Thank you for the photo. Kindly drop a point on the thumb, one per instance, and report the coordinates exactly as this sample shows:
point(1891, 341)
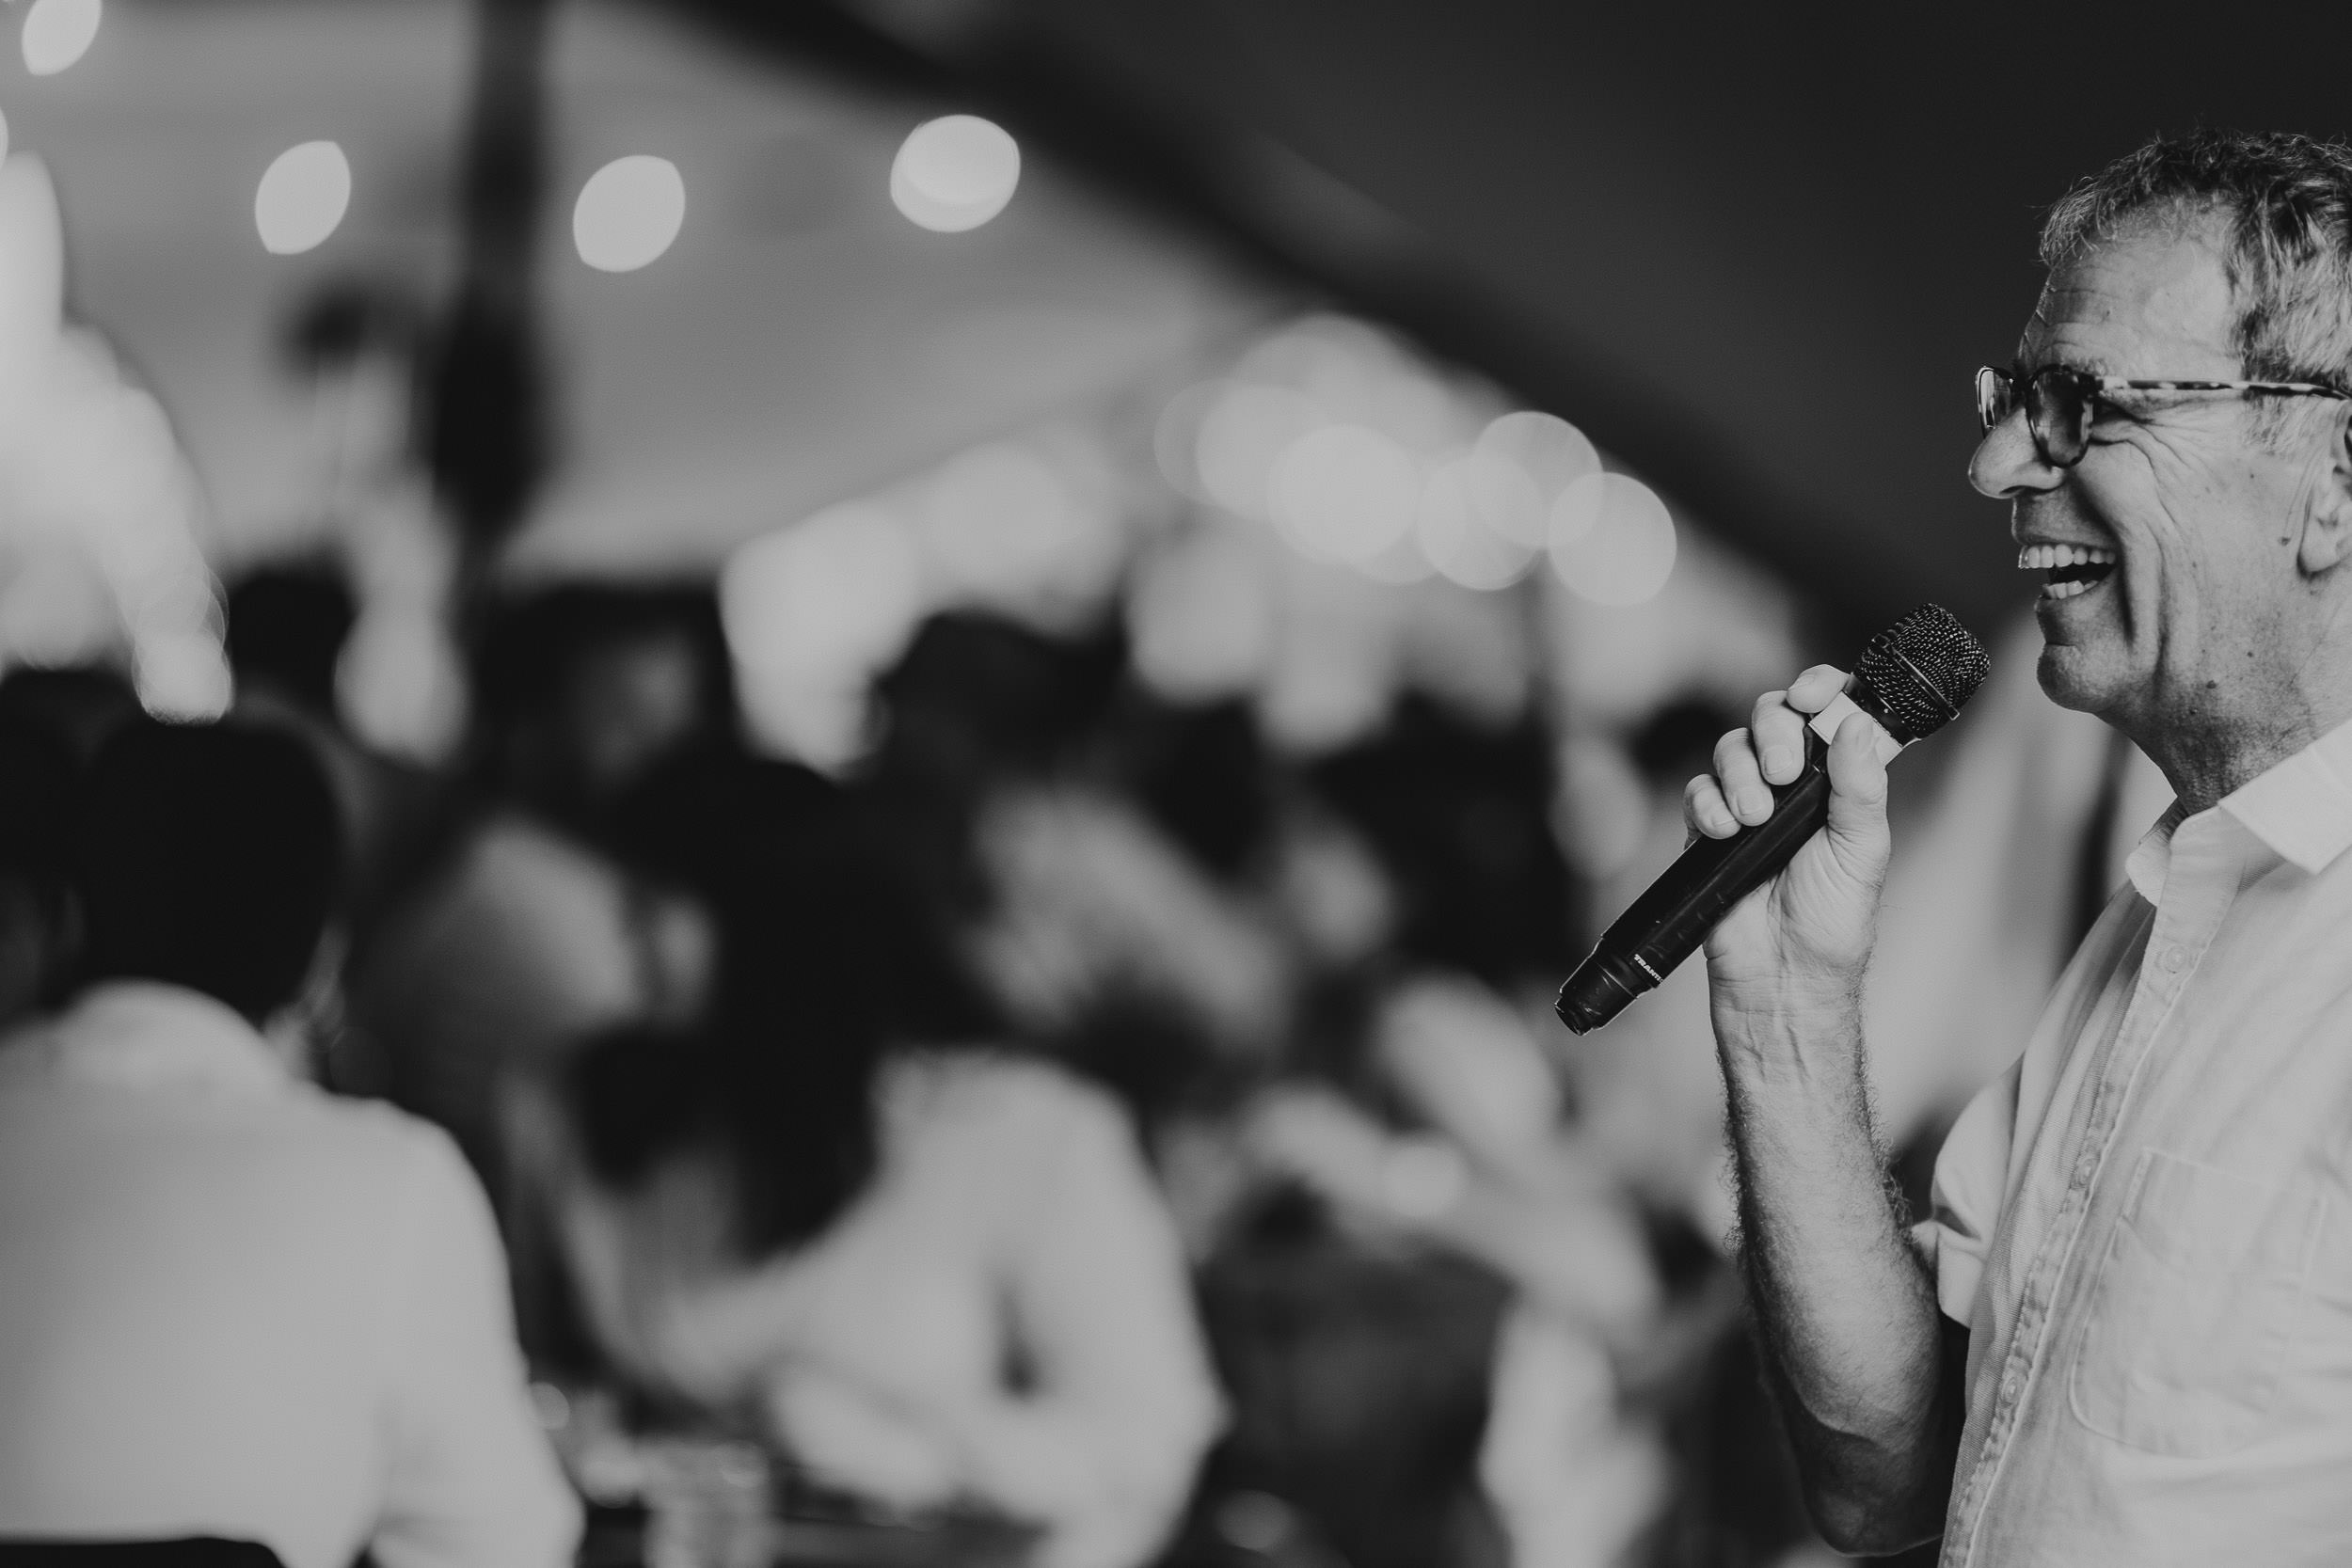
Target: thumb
point(1857, 799)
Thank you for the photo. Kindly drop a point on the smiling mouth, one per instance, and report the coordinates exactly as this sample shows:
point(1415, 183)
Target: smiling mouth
point(2068, 569)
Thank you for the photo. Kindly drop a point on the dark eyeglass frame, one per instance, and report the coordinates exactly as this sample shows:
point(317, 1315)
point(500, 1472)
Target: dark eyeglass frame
point(2059, 401)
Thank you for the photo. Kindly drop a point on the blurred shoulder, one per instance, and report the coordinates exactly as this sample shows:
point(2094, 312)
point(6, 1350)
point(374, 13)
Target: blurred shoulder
point(997, 1100)
point(378, 1144)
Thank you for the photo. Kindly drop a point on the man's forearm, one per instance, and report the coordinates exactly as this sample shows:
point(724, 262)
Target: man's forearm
point(1844, 1305)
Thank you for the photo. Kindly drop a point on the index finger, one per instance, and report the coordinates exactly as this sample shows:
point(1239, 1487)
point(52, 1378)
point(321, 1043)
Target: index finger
point(1816, 688)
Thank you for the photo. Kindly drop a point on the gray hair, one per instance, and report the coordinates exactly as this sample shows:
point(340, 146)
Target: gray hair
point(2284, 202)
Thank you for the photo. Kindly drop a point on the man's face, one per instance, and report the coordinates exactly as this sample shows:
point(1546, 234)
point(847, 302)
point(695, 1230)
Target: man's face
point(2195, 623)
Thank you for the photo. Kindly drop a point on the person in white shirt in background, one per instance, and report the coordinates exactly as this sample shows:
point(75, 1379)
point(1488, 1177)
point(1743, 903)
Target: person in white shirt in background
point(229, 1305)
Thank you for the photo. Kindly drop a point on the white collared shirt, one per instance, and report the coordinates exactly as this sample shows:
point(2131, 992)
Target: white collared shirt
point(232, 1306)
point(2146, 1223)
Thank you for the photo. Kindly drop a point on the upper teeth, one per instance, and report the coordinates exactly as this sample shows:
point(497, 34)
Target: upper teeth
point(2040, 558)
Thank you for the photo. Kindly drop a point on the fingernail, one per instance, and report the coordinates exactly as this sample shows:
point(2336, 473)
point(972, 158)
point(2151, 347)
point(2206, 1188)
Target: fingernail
point(1779, 760)
point(1755, 802)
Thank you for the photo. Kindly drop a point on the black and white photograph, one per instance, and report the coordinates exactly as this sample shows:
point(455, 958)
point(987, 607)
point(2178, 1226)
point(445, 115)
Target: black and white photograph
point(1174, 784)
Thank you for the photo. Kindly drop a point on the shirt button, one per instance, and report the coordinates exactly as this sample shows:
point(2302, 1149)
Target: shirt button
point(2175, 957)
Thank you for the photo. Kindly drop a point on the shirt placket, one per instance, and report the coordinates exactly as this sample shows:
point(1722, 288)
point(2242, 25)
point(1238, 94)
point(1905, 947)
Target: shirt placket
point(2198, 887)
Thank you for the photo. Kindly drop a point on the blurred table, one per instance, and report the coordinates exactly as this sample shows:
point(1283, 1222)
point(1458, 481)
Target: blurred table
point(625, 1537)
point(685, 1498)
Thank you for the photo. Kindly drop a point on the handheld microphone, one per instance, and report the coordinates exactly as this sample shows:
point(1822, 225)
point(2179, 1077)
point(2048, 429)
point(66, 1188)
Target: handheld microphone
point(1912, 679)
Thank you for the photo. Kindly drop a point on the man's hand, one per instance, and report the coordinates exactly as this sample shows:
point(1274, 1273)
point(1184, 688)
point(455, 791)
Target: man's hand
point(1804, 937)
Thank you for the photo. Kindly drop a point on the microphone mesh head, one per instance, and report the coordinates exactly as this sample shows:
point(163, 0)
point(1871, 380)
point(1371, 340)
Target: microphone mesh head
point(1923, 668)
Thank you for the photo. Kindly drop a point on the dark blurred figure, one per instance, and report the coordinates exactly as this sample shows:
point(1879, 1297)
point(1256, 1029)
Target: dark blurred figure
point(287, 626)
point(1457, 813)
point(581, 689)
point(520, 938)
point(40, 916)
point(78, 706)
point(937, 1275)
point(226, 1298)
point(1204, 775)
point(976, 703)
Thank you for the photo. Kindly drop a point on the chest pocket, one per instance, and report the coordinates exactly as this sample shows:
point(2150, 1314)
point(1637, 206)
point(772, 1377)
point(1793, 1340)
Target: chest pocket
point(2182, 1350)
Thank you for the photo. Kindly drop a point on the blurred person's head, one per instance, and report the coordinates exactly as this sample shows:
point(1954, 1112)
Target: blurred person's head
point(1203, 773)
point(581, 689)
point(824, 961)
point(976, 702)
point(287, 626)
point(2193, 541)
point(37, 909)
point(1092, 908)
point(349, 320)
point(1457, 816)
point(791, 867)
point(978, 697)
point(357, 340)
point(208, 860)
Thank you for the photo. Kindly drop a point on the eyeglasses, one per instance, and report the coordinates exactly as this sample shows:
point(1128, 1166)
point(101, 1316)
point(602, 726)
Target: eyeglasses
point(2059, 401)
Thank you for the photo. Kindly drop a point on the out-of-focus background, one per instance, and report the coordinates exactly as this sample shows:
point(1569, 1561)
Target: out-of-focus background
point(1238, 518)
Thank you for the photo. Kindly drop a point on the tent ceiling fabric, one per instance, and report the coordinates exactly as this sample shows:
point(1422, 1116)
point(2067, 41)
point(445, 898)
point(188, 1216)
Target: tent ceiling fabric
point(1760, 248)
point(157, 140)
point(800, 343)
point(1753, 251)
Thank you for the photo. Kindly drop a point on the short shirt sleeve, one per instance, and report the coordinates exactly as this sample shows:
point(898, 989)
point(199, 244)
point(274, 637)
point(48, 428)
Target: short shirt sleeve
point(1970, 1176)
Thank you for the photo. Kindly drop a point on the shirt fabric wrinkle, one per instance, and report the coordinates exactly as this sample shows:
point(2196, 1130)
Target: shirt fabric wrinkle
point(2143, 1224)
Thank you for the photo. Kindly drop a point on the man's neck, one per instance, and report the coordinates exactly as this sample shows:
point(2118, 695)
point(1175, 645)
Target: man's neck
point(2206, 762)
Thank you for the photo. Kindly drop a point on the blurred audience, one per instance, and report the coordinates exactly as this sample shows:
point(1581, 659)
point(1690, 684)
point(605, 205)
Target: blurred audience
point(931, 1273)
point(230, 1305)
point(521, 938)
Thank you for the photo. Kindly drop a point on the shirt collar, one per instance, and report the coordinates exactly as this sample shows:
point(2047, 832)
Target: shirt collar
point(2302, 807)
point(2151, 860)
point(146, 1035)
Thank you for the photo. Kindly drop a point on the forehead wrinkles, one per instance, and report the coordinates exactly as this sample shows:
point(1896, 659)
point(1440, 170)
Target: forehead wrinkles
point(2151, 305)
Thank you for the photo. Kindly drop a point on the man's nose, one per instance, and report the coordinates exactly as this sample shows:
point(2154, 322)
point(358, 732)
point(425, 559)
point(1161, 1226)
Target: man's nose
point(2008, 461)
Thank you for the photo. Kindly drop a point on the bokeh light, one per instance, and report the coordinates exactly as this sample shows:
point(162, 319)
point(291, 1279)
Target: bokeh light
point(1243, 436)
point(1176, 437)
point(1344, 493)
point(1455, 536)
point(57, 33)
point(302, 198)
point(1519, 469)
point(1005, 529)
point(629, 212)
point(1613, 540)
point(955, 173)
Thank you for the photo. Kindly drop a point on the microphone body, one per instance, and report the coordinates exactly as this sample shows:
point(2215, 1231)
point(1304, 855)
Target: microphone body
point(1672, 918)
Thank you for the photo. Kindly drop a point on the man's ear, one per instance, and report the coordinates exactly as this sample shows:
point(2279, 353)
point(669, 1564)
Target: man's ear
point(2326, 541)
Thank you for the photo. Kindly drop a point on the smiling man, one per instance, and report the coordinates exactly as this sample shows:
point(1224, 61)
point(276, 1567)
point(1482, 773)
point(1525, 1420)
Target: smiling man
point(2125, 1337)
